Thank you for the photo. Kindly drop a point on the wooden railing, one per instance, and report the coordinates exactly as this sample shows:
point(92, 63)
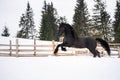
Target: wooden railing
point(19, 48)
point(115, 47)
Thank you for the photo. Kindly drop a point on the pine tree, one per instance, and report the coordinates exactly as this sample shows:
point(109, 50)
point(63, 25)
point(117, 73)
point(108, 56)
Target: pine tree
point(27, 24)
point(5, 32)
point(48, 23)
point(81, 21)
point(107, 30)
point(116, 23)
point(98, 9)
point(101, 21)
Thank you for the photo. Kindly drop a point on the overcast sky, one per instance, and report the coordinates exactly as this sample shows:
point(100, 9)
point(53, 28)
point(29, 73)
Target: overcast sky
point(11, 10)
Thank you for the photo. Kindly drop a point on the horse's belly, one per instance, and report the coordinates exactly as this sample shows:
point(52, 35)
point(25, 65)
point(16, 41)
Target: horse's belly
point(79, 45)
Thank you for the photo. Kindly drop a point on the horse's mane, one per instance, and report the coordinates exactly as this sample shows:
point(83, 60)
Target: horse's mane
point(69, 27)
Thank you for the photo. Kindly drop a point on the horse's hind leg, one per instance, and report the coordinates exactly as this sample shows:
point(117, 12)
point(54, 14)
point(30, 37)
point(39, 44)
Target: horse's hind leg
point(98, 53)
point(94, 52)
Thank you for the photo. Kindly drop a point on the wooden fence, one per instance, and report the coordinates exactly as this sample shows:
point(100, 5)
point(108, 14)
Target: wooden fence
point(17, 49)
point(115, 47)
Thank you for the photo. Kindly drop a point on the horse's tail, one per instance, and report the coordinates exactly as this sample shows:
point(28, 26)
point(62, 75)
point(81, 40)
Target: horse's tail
point(104, 44)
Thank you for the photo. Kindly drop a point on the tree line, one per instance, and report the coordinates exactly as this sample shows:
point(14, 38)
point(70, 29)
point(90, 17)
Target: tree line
point(99, 24)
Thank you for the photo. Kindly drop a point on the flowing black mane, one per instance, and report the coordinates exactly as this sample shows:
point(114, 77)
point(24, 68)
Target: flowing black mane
point(70, 29)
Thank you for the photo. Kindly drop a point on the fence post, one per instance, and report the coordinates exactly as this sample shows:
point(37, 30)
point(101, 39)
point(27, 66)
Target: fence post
point(17, 48)
point(10, 48)
point(34, 46)
point(53, 46)
point(73, 51)
point(118, 52)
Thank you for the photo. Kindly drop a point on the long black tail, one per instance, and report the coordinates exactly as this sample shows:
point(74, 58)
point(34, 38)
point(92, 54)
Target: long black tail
point(104, 44)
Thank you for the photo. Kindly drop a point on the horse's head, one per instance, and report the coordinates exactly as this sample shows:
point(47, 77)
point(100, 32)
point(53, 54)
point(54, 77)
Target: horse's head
point(61, 29)
point(67, 29)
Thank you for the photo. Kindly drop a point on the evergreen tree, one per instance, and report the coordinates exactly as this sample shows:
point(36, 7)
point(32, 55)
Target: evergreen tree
point(5, 32)
point(101, 21)
point(107, 30)
point(27, 24)
point(98, 9)
point(116, 23)
point(48, 27)
point(81, 21)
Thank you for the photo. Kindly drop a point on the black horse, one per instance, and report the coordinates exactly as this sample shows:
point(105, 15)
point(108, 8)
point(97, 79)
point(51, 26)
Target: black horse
point(71, 39)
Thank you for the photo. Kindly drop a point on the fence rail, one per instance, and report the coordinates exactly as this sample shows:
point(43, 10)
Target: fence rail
point(17, 48)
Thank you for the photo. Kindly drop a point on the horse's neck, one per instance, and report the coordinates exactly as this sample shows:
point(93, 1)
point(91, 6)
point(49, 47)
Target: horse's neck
point(71, 34)
point(75, 34)
point(68, 34)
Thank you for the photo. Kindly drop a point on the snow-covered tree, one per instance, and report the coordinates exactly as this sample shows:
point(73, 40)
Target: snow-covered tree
point(101, 21)
point(116, 23)
point(5, 32)
point(27, 24)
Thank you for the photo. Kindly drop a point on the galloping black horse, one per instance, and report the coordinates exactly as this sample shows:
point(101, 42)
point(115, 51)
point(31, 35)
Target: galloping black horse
point(71, 39)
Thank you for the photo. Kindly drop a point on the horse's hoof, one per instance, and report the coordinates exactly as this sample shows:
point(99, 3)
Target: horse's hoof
point(94, 56)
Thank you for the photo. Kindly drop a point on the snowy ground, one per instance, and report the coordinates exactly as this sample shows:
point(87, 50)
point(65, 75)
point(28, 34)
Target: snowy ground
point(57, 67)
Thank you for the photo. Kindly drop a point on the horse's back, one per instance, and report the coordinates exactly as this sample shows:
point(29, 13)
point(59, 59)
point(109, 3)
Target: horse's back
point(85, 42)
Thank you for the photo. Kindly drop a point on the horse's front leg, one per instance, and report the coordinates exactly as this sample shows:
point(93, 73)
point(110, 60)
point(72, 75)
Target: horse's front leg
point(60, 45)
point(63, 48)
point(56, 50)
